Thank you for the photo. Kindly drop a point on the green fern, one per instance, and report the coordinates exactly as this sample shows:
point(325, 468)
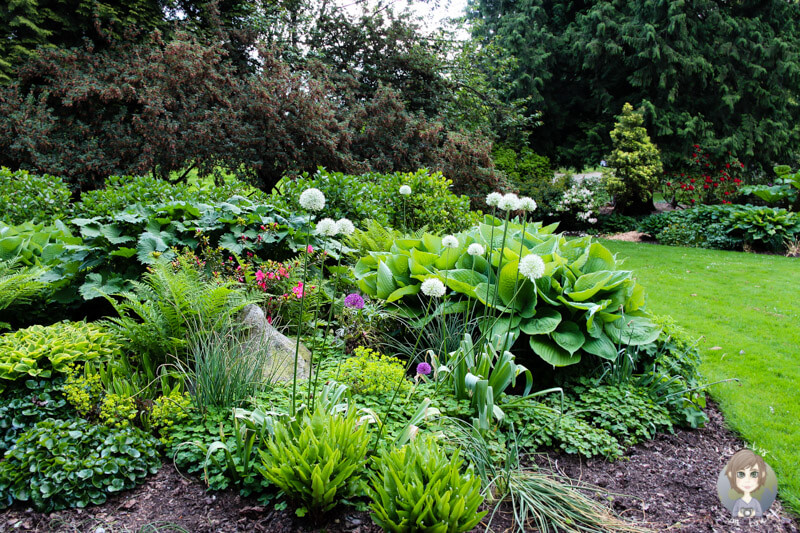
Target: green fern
point(157, 317)
point(377, 238)
point(18, 286)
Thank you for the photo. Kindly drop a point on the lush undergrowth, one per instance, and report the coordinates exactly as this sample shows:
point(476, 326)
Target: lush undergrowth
point(747, 308)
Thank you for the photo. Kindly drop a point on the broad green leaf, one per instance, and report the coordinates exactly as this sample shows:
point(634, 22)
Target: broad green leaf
point(568, 335)
point(551, 352)
point(588, 285)
point(632, 330)
point(600, 258)
point(545, 321)
point(601, 347)
point(386, 283)
point(403, 291)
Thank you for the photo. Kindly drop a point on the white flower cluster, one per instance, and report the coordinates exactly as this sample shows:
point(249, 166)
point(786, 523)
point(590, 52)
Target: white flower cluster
point(405, 190)
point(509, 202)
point(580, 201)
point(476, 249)
point(532, 267)
point(432, 287)
point(312, 199)
point(493, 199)
point(450, 241)
point(327, 227)
point(345, 227)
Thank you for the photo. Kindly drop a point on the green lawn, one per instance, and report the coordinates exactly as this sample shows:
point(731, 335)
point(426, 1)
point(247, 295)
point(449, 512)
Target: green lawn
point(747, 307)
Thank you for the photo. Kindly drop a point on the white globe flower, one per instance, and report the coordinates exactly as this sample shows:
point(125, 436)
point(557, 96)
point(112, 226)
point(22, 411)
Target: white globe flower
point(526, 203)
point(433, 287)
point(450, 241)
point(312, 199)
point(327, 227)
point(592, 220)
point(345, 227)
point(532, 267)
point(476, 249)
point(493, 199)
point(405, 190)
point(509, 202)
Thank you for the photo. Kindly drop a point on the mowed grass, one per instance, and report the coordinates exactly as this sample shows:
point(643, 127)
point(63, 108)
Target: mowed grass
point(747, 307)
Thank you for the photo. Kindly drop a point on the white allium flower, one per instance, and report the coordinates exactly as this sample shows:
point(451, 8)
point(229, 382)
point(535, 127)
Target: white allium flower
point(592, 220)
point(509, 202)
point(433, 287)
point(531, 266)
point(450, 241)
point(526, 203)
point(405, 190)
point(476, 249)
point(327, 227)
point(345, 227)
point(312, 199)
point(493, 199)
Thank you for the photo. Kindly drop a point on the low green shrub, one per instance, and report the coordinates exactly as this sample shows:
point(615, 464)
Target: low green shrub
point(120, 192)
point(18, 287)
point(376, 196)
point(419, 488)
point(317, 460)
point(59, 464)
point(368, 372)
point(764, 226)
point(188, 441)
point(25, 404)
point(615, 223)
point(42, 350)
point(26, 197)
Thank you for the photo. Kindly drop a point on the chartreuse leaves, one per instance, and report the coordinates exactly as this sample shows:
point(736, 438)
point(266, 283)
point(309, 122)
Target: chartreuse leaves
point(419, 488)
point(575, 307)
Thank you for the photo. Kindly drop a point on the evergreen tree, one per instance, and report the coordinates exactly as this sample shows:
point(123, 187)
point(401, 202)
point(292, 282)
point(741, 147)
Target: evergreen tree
point(634, 163)
point(722, 74)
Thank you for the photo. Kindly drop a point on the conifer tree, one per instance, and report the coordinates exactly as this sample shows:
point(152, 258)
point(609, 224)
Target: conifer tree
point(634, 163)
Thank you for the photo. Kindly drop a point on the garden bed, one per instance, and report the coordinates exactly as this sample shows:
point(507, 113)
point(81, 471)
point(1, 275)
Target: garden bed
point(668, 483)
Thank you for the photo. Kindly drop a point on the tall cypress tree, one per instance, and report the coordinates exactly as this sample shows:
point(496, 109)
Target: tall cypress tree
point(722, 74)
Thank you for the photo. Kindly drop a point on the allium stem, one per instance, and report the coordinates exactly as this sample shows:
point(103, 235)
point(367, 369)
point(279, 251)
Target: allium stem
point(300, 323)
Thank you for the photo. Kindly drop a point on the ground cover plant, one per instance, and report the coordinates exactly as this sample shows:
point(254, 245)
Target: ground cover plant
point(746, 308)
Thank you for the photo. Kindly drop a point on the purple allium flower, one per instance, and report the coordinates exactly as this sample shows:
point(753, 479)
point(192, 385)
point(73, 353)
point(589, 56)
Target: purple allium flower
point(423, 369)
point(354, 300)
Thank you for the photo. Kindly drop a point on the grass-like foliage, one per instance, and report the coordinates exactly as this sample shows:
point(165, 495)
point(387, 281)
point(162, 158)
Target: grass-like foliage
point(41, 350)
point(317, 459)
point(17, 286)
point(223, 369)
point(59, 464)
point(420, 488)
point(157, 317)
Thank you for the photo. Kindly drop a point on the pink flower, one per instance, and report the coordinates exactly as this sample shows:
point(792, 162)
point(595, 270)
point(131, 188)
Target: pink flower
point(310, 249)
point(298, 290)
point(271, 275)
point(260, 275)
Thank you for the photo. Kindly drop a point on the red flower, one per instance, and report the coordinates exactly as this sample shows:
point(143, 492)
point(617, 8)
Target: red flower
point(705, 186)
point(727, 193)
point(697, 146)
point(727, 165)
point(669, 184)
point(691, 187)
point(692, 180)
point(716, 185)
point(742, 164)
point(692, 200)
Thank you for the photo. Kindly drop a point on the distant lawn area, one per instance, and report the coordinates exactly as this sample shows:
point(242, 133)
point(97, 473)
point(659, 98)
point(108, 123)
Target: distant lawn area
point(748, 306)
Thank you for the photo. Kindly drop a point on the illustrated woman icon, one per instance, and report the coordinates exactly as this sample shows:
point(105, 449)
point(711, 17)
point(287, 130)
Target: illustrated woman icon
point(747, 473)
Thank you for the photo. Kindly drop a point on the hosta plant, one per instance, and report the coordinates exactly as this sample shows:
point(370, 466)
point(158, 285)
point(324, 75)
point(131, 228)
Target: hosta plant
point(59, 464)
point(317, 459)
point(582, 304)
point(42, 350)
point(418, 487)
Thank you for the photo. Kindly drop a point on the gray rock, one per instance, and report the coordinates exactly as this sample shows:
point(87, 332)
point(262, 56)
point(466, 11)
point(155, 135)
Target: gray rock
point(276, 348)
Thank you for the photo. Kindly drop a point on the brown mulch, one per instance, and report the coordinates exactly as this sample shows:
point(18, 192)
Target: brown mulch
point(629, 236)
point(667, 484)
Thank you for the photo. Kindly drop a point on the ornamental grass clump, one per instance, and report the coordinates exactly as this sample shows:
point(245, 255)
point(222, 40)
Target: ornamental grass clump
point(419, 488)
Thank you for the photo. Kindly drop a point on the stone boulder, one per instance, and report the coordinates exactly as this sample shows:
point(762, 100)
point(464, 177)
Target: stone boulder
point(276, 348)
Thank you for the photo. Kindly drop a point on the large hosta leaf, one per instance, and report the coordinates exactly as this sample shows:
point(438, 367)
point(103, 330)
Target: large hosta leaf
point(386, 283)
point(568, 335)
point(632, 330)
point(551, 352)
point(462, 280)
point(588, 285)
point(404, 291)
point(601, 347)
point(545, 321)
point(421, 262)
point(600, 258)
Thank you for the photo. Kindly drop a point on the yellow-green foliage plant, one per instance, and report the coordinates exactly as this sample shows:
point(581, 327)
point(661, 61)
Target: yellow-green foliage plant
point(369, 372)
point(419, 488)
point(635, 163)
point(42, 350)
point(317, 460)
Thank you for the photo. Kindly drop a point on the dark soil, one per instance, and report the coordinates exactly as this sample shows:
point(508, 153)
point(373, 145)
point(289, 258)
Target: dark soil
point(665, 484)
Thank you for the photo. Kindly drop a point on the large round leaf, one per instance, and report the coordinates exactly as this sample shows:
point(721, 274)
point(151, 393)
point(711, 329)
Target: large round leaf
point(545, 321)
point(386, 283)
point(568, 335)
point(633, 330)
point(601, 347)
point(551, 352)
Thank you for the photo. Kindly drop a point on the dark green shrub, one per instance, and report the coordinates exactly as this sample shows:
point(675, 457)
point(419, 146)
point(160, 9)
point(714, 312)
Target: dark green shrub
point(121, 191)
point(652, 225)
point(376, 196)
point(615, 223)
point(26, 197)
point(419, 488)
point(764, 227)
point(317, 460)
point(59, 464)
point(22, 406)
point(526, 169)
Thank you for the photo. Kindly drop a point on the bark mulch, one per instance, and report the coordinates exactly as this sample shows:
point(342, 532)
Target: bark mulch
point(667, 484)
